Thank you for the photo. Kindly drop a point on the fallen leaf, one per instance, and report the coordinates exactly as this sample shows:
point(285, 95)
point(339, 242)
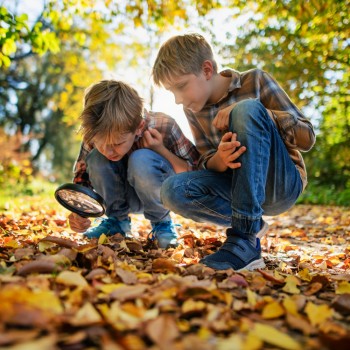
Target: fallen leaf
point(317, 314)
point(162, 330)
point(272, 310)
point(275, 337)
point(291, 285)
point(71, 278)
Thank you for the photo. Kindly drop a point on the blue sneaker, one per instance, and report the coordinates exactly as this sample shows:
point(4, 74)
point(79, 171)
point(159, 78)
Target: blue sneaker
point(109, 226)
point(236, 253)
point(164, 234)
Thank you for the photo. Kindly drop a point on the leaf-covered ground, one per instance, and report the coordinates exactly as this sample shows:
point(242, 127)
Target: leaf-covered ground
point(59, 291)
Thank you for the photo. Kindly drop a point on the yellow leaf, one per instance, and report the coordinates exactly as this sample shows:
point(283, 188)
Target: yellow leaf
point(290, 305)
point(252, 297)
point(291, 285)
point(234, 342)
point(252, 342)
point(71, 278)
point(317, 314)
point(304, 274)
point(190, 305)
point(343, 288)
point(272, 310)
point(109, 288)
point(102, 239)
point(275, 337)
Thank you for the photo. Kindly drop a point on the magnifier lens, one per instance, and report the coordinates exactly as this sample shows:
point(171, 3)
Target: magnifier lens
point(80, 201)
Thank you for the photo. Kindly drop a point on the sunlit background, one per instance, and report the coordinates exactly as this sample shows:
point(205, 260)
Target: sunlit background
point(52, 50)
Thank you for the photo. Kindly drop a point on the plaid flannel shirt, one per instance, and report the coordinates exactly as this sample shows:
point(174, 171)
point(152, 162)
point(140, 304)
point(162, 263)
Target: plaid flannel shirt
point(173, 138)
point(296, 131)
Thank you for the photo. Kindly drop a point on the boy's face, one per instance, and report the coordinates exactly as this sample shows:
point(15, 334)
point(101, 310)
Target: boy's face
point(116, 150)
point(192, 91)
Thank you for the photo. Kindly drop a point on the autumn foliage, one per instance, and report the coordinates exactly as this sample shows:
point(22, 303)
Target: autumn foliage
point(60, 291)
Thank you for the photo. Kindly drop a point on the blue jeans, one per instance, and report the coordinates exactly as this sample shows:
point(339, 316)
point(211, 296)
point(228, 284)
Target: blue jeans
point(131, 185)
point(268, 181)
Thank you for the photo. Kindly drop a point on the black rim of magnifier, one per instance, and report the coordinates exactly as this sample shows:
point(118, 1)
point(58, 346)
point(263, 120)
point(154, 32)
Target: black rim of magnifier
point(85, 190)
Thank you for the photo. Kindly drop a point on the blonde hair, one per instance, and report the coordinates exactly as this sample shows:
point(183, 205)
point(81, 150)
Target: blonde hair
point(111, 108)
point(180, 55)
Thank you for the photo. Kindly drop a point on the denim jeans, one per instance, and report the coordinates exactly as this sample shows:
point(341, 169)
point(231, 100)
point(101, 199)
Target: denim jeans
point(131, 185)
point(268, 181)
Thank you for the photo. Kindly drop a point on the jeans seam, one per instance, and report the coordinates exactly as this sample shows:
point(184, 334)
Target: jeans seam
point(200, 205)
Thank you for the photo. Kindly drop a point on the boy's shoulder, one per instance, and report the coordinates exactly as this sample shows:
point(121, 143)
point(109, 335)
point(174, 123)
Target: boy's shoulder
point(252, 72)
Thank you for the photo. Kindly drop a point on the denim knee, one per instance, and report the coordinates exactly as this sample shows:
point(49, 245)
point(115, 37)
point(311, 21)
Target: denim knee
point(148, 168)
point(168, 194)
point(96, 161)
point(247, 115)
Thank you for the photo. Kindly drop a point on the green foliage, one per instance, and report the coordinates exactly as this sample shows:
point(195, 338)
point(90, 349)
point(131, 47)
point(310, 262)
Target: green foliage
point(15, 31)
point(15, 175)
point(325, 194)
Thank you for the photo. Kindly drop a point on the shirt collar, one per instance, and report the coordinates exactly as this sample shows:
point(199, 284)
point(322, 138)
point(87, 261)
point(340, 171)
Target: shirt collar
point(235, 78)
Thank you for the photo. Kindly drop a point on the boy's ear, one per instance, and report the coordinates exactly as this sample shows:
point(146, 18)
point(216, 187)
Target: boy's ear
point(208, 69)
point(140, 127)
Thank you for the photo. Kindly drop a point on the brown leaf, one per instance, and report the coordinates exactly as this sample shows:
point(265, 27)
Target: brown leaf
point(342, 303)
point(39, 266)
point(162, 330)
point(313, 288)
point(63, 242)
point(301, 324)
point(271, 278)
point(127, 277)
point(162, 265)
point(128, 292)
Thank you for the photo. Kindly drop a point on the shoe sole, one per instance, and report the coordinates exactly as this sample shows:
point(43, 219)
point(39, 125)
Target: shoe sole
point(254, 265)
point(263, 231)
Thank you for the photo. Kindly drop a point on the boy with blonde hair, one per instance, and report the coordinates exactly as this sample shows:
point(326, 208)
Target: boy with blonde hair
point(126, 154)
point(233, 115)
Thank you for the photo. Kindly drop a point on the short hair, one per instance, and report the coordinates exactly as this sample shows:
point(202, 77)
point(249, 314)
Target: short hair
point(111, 107)
point(180, 55)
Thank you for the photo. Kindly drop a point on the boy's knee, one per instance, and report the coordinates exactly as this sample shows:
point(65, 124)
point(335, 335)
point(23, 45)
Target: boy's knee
point(246, 112)
point(139, 161)
point(96, 161)
point(168, 193)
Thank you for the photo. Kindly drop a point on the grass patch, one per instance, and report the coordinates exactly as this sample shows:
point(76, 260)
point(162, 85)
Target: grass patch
point(17, 195)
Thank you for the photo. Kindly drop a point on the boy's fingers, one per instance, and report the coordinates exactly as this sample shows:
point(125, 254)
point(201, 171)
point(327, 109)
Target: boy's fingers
point(227, 137)
point(230, 146)
point(237, 154)
point(234, 165)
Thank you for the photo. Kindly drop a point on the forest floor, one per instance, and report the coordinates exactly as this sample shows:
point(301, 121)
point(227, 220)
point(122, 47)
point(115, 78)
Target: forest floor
point(61, 291)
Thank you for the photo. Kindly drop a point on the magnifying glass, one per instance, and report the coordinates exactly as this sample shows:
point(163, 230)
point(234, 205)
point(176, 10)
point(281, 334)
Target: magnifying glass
point(80, 200)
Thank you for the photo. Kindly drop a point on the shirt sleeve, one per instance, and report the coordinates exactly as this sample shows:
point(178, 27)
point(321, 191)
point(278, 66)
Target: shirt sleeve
point(81, 176)
point(295, 129)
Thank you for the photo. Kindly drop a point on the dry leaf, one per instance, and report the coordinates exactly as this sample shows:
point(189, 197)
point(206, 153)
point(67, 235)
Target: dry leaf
point(275, 337)
point(162, 330)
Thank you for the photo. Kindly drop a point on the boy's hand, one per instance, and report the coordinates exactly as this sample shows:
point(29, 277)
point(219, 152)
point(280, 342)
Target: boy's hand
point(221, 120)
point(228, 151)
point(152, 139)
point(78, 223)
